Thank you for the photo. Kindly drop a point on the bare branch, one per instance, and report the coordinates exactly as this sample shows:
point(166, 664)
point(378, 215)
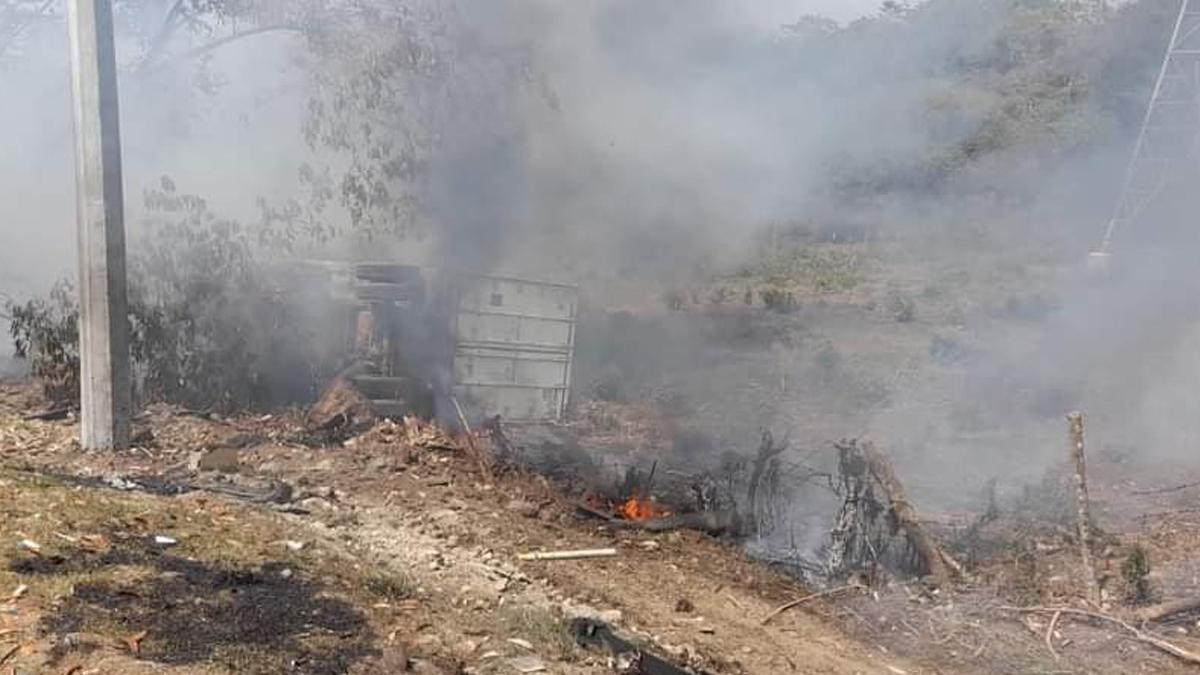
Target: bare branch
point(201, 50)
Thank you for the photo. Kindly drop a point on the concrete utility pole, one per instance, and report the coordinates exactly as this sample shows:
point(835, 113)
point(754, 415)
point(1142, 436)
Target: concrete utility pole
point(103, 311)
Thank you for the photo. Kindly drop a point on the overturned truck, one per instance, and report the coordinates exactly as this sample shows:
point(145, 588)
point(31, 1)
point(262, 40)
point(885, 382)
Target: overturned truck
point(456, 346)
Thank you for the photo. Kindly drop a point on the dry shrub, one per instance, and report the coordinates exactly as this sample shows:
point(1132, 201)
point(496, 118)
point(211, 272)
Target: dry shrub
point(213, 323)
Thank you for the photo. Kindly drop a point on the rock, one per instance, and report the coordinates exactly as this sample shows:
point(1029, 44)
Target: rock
point(522, 507)
point(575, 610)
point(528, 664)
point(315, 504)
point(445, 517)
point(224, 460)
point(193, 460)
point(381, 464)
point(392, 659)
point(684, 606)
point(468, 646)
point(423, 667)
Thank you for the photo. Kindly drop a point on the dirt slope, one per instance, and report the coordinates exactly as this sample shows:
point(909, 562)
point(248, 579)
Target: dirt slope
point(416, 546)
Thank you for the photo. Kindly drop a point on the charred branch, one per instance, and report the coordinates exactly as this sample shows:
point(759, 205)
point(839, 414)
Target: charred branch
point(866, 521)
point(633, 659)
point(765, 469)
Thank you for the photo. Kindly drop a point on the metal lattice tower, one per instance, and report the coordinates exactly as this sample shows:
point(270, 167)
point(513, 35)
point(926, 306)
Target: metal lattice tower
point(1171, 127)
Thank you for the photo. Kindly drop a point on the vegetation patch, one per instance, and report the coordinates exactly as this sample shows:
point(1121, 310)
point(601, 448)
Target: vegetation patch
point(184, 581)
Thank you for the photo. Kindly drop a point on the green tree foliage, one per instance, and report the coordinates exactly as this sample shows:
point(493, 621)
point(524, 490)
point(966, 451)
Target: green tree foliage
point(1003, 87)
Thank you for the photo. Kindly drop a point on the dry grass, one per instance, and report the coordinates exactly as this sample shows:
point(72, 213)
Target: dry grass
point(230, 595)
point(542, 627)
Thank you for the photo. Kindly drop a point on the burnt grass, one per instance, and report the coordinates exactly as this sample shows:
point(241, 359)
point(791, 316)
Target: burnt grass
point(254, 620)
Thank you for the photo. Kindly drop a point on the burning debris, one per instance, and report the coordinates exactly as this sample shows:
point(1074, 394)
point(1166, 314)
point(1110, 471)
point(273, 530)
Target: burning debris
point(340, 409)
point(639, 508)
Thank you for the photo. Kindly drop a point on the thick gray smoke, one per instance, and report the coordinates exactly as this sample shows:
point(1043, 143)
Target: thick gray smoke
point(699, 152)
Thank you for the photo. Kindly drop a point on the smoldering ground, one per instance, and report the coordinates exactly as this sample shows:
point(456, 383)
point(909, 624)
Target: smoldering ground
point(949, 162)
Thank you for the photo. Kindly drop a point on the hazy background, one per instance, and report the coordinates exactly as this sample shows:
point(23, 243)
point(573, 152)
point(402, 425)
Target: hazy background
point(920, 186)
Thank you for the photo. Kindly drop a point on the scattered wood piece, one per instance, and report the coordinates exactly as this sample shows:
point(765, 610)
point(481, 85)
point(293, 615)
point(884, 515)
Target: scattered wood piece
point(340, 406)
point(954, 565)
point(52, 415)
point(586, 510)
point(1160, 491)
point(569, 555)
point(134, 642)
point(734, 601)
point(10, 653)
point(1166, 610)
point(1075, 422)
point(1050, 634)
point(1142, 636)
point(800, 601)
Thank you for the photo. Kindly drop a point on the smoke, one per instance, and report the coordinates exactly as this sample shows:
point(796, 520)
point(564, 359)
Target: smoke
point(234, 148)
point(833, 229)
point(977, 146)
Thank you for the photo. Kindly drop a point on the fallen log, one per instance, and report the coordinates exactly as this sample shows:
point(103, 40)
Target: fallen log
point(1166, 610)
point(939, 564)
point(1142, 636)
point(49, 415)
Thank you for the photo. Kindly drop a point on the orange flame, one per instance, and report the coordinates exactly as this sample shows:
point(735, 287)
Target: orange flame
point(639, 508)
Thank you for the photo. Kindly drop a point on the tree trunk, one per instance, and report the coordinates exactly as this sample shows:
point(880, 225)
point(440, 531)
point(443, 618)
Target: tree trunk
point(931, 554)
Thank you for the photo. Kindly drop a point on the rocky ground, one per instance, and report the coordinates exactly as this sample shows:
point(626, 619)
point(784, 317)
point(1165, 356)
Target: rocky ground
point(390, 549)
point(243, 545)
